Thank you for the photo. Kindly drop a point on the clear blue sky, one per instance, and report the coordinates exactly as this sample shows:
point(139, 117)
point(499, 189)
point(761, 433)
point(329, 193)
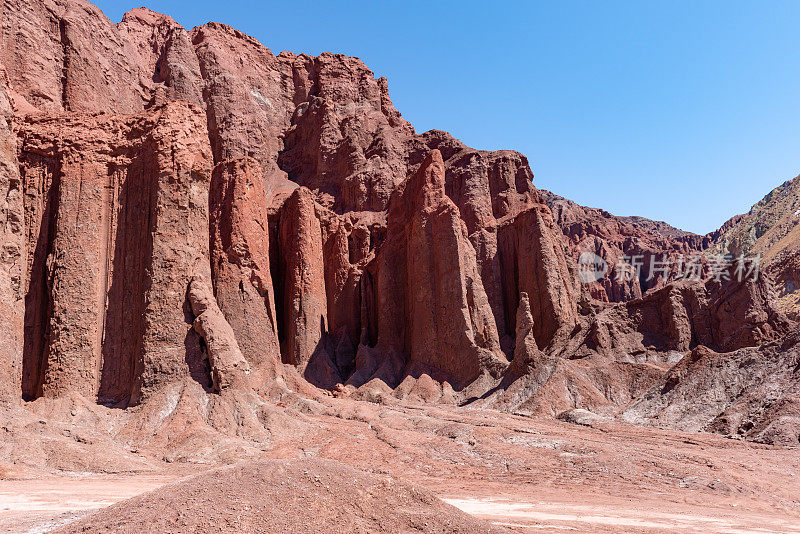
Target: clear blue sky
point(683, 111)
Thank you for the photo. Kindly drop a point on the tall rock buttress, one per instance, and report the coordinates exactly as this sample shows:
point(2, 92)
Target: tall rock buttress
point(240, 262)
point(532, 261)
point(180, 248)
point(303, 274)
point(117, 221)
point(12, 255)
point(432, 307)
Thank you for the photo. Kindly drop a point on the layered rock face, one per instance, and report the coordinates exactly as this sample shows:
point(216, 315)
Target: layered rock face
point(769, 230)
point(431, 304)
point(12, 254)
point(116, 218)
point(655, 246)
point(669, 322)
point(334, 238)
point(727, 336)
point(188, 208)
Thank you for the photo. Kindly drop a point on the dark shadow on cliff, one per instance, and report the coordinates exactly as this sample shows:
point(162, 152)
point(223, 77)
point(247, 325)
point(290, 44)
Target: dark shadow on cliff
point(37, 298)
point(132, 212)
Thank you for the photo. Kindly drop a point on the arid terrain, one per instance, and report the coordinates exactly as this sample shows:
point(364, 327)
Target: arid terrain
point(240, 293)
point(527, 474)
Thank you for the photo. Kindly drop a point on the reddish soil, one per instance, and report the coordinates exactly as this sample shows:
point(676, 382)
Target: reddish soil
point(528, 474)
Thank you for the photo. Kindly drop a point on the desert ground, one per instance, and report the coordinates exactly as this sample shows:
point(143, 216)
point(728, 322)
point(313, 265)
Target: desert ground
point(524, 474)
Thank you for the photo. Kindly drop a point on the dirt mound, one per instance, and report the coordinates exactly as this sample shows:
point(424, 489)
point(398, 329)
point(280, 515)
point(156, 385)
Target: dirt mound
point(283, 496)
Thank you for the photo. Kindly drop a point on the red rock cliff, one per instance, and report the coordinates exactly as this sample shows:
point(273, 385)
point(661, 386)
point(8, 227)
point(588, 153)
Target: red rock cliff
point(141, 162)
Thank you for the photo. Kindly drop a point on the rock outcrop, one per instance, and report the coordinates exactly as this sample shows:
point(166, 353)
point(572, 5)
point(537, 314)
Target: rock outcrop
point(676, 318)
point(240, 262)
point(303, 272)
point(187, 214)
point(228, 366)
point(771, 231)
point(12, 255)
point(532, 261)
point(526, 352)
point(750, 393)
point(117, 223)
point(431, 304)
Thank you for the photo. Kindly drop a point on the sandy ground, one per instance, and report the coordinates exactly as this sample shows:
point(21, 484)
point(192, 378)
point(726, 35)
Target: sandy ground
point(529, 474)
point(41, 504)
point(36, 506)
point(542, 516)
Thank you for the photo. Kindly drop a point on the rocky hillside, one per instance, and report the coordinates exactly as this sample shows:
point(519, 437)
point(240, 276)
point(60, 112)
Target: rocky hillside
point(620, 239)
point(768, 228)
point(771, 229)
point(196, 225)
point(752, 393)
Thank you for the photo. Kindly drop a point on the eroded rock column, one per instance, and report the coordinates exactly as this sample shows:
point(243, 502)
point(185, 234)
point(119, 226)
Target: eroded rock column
point(228, 366)
point(432, 305)
point(240, 258)
point(182, 159)
point(12, 257)
point(533, 261)
point(304, 299)
point(79, 270)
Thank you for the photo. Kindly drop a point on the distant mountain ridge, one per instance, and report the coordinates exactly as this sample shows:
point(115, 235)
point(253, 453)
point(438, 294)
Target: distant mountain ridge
point(771, 230)
point(768, 228)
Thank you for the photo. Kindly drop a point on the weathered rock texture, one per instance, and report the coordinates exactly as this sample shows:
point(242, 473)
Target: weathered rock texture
point(671, 321)
point(750, 393)
point(431, 303)
point(117, 222)
point(12, 255)
point(186, 213)
point(240, 262)
point(228, 366)
point(657, 246)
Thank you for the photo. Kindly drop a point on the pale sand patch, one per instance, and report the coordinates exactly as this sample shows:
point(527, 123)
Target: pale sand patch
point(566, 516)
point(38, 505)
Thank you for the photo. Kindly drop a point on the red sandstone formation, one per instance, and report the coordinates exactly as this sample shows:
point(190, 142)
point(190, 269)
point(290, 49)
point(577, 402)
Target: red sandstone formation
point(619, 239)
point(187, 214)
point(431, 305)
point(228, 366)
point(240, 262)
point(117, 223)
point(12, 255)
point(304, 303)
